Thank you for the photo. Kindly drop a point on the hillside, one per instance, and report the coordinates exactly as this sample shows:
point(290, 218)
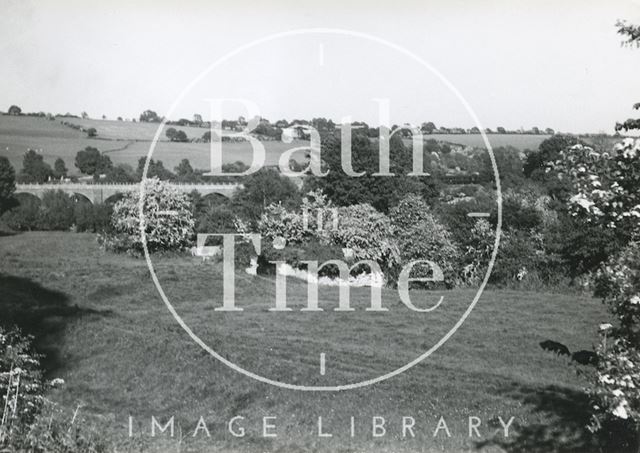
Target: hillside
point(126, 142)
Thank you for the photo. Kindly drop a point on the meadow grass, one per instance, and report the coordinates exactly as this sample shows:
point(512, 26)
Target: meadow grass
point(108, 334)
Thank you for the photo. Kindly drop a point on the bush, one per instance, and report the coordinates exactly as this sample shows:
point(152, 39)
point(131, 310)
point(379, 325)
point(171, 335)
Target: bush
point(92, 218)
point(56, 211)
point(168, 220)
point(458, 223)
point(28, 421)
point(420, 236)
point(368, 233)
point(476, 255)
point(21, 384)
point(216, 219)
point(24, 216)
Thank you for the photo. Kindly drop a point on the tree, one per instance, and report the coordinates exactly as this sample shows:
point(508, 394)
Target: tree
point(420, 234)
point(537, 166)
point(149, 116)
point(92, 132)
point(56, 212)
point(91, 162)
point(7, 183)
point(380, 192)
point(501, 130)
point(173, 231)
point(59, 168)
point(84, 115)
point(171, 133)
point(262, 188)
point(368, 233)
point(176, 135)
point(122, 173)
point(156, 170)
point(197, 118)
point(509, 166)
point(428, 128)
point(606, 193)
point(549, 131)
point(184, 170)
point(34, 168)
point(15, 110)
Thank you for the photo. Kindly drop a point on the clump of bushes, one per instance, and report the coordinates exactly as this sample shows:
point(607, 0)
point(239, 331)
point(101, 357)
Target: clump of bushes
point(57, 211)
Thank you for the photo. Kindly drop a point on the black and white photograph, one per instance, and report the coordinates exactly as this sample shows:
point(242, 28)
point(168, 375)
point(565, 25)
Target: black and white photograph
point(320, 227)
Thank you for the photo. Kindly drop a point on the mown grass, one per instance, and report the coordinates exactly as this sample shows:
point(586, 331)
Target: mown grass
point(121, 353)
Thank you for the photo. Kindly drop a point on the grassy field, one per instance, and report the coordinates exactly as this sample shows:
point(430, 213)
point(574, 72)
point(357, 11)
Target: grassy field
point(106, 332)
point(519, 141)
point(126, 142)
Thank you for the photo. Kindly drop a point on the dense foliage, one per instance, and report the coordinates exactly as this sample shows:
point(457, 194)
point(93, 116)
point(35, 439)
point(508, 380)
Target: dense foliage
point(167, 220)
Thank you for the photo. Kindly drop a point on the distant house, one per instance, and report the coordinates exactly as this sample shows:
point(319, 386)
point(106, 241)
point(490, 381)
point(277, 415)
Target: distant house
point(293, 132)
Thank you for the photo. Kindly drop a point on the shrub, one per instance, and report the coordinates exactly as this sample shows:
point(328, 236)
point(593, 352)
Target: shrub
point(476, 255)
point(24, 216)
point(168, 220)
point(216, 219)
point(368, 233)
point(92, 218)
point(28, 421)
point(458, 223)
point(20, 380)
point(56, 211)
point(618, 387)
point(420, 236)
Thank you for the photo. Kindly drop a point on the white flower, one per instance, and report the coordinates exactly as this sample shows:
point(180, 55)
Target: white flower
point(635, 300)
point(621, 412)
point(582, 201)
point(605, 326)
point(606, 379)
point(618, 392)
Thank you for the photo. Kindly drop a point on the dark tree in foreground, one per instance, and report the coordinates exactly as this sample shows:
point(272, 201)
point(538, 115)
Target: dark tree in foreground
point(92, 132)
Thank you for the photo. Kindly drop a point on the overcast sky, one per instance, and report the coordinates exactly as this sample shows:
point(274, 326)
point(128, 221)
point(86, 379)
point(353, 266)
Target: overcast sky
point(518, 64)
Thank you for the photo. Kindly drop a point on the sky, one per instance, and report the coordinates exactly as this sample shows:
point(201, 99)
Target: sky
point(514, 64)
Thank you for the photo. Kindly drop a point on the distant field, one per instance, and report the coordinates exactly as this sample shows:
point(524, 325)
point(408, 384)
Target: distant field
point(519, 141)
point(126, 142)
point(108, 334)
